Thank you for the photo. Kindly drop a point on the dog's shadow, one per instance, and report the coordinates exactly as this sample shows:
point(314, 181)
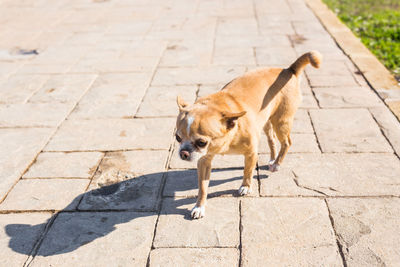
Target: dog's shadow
point(95, 213)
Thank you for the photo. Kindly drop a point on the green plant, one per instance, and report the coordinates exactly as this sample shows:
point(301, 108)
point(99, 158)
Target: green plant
point(377, 23)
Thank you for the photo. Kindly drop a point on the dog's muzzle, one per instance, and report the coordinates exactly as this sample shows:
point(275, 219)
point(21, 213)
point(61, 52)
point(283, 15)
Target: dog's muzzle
point(186, 151)
point(185, 155)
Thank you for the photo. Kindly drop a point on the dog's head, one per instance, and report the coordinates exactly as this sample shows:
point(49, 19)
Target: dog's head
point(202, 128)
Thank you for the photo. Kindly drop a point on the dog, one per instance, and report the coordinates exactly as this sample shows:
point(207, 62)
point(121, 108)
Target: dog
point(231, 120)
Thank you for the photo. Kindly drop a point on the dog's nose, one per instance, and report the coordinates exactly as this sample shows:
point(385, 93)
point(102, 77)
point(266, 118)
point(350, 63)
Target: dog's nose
point(185, 155)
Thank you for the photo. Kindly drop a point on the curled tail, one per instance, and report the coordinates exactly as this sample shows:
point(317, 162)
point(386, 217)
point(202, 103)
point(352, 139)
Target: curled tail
point(313, 57)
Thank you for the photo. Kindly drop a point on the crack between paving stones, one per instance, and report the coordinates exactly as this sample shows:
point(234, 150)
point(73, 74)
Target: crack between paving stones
point(151, 81)
point(258, 179)
point(106, 151)
point(240, 233)
point(383, 133)
point(39, 241)
point(312, 91)
point(257, 19)
point(91, 180)
point(160, 196)
point(339, 245)
point(211, 247)
point(197, 91)
point(26, 126)
point(296, 181)
point(315, 133)
point(55, 178)
point(214, 40)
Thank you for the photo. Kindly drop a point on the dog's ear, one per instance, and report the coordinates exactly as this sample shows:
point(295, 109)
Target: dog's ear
point(181, 103)
point(231, 118)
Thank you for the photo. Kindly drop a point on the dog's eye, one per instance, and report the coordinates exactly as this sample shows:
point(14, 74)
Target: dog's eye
point(178, 138)
point(201, 143)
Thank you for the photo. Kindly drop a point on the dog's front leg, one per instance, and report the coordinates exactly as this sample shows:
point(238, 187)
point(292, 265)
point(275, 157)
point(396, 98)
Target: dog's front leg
point(203, 176)
point(250, 161)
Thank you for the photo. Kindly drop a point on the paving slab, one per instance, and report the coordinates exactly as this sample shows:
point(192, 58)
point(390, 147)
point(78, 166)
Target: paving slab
point(237, 26)
point(194, 256)
point(368, 230)
point(127, 181)
point(63, 88)
point(333, 67)
point(19, 148)
point(114, 87)
point(101, 238)
point(33, 114)
point(302, 122)
point(219, 228)
point(205, 90)
point(105, 110)
point(19, 88)
point(308, 102)
point(282, 183)
point(333, 81)
point(112, 134)
point(188, 76)
point(232, 56)
point(275, 27)
point(74, 165)
point(253, 40)
point(389, 125)
point(161, 101)
point(360, 174)
point(18, 235)
point(346, 97)
point(113, 95)
point(187, 53)
point(45, 194)
point(115, 65)
point(348, 130)
point(183, 183)
point(301, 143)
point(286, 231)
point(275, 56)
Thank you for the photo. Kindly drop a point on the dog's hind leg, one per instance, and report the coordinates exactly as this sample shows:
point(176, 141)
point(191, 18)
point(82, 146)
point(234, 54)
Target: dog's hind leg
point(269, 132)
point(282, 130)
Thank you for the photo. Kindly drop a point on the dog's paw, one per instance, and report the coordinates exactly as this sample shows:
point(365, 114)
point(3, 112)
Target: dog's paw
point(274, 167)
point(198, 212)
point(244, 190)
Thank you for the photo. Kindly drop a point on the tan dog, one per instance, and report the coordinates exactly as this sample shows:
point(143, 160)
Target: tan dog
point(230, 121)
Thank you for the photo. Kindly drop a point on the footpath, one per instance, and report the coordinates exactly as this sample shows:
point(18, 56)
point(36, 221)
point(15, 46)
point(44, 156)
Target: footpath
point(89, 174)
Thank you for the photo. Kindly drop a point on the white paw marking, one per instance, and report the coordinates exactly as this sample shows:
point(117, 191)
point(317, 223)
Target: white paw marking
point(271, 161)
point(274, 167)
point(198, 212)
point(190, 120)
point(244, 190)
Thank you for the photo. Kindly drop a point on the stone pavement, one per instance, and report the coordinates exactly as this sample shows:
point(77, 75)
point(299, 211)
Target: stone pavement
point(88, 169)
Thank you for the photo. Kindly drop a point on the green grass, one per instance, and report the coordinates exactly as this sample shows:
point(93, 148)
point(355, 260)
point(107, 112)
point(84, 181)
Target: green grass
point(377, 24)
